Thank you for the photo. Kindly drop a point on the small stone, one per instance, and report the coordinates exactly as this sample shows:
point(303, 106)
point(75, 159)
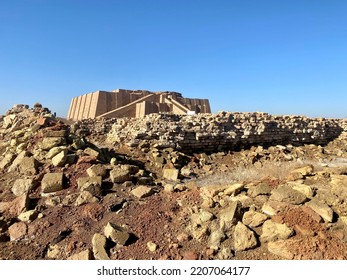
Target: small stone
point(53, 251)
point(287, 194)
point(253, 218)
point(18, 205)
point(180, 187)
point(117, 234)
point(132, 169)
point(27, 216)
point(273, 207)
point(28, 166)
point(170, 174)
point(22, 186)
point(201, 217)
point(17, 161)
point(60, 159)
point(152, 246)
point(304, 189)
point(225, 253)
point(261, 189)
point(48, 143)
point(169, 188)
point(52, 182)
point(96, 170)
point(322, 209)
point(54, 151)
point(85, 197)
point(215, 239)
point(82, 256)
point(339, 186)
point(274, 231)
point(142, 191)
point(231, 215)
point(17, 231)
point(234, 189)
point(99, 245)
point(244, 238)
point(90, 184)
point(91, 152)
point(118, 175)
point(279, 248)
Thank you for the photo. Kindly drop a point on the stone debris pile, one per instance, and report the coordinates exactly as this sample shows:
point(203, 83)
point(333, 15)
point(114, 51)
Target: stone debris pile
point(206, 186)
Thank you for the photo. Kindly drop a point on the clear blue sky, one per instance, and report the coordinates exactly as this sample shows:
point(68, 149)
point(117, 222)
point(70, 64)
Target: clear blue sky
point(276, 56)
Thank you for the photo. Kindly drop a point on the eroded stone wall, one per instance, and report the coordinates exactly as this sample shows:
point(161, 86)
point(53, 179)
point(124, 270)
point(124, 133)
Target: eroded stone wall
point(216, 132)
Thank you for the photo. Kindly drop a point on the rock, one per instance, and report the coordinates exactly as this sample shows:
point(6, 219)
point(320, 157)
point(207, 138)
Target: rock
point(287, 194)
point(339, 186)
point(261, 189)
point(56, 150)
point(118, 175)
point(244, 238)
point(170, 174)
point(17, 231)
point(215, 239)
point(231, 215)
point(133, 169)
point(17, 161)
point(15, 207)
point(52, 182)
point(82, 256)
point(142, 191)
point(274, 231)
point(53, 251)
point(90, 184)
point(253, 218)
point(322, 209)
point(279, 248)
point(304, 171)
point(48, 143)
point(152, 246)
point(60, 159)
point(28, 166)
point(99, 245)
point(169, 188)
point(211, 191)
point(96, 170)
point(225, 253)
point(180, 187)
point(28, 216)
point(91, 152)
point(22, 186)
point(116, 233)
point(8, 121)
point(273, 207)
point(234, 189)
point(304, 189)
point(8, 158)
point(201, 217)
point(85, 197)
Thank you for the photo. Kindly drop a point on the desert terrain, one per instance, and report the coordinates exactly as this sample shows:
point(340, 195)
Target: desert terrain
point(204, 187)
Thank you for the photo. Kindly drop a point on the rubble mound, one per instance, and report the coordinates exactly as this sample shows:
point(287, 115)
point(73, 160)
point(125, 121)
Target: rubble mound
point(223, 186)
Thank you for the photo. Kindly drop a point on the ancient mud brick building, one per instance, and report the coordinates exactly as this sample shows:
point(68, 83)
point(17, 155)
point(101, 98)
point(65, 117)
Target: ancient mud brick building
point(133, 103)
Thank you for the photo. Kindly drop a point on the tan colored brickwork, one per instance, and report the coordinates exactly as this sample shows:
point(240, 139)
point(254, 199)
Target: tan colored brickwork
point(133, 103)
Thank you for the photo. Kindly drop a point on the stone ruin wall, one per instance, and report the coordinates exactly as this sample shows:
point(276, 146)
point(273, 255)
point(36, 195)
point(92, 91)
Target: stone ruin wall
point(215, 132)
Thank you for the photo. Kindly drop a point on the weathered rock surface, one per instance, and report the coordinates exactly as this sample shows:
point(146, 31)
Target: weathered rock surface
point(274, 231)
point(116, 233)
point(244, 238)
point(52, 182)
point(99, 244)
